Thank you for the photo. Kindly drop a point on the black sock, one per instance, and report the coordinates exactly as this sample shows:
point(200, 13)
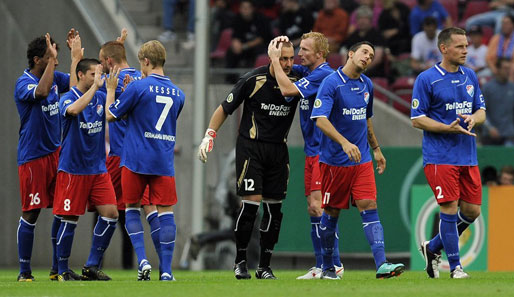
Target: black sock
point(244, 227)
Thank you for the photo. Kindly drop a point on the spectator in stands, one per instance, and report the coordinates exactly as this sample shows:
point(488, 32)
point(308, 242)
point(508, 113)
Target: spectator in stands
point(428, 8)
point(221, 18)
point(477, 51)
point(425, 52)
point(489, 176)
point(506, 175)
point(393, 24)
point(501, 45)
point(250, 30)
point(168, 14)
point(294, 21)
point(374, 5)
point(499, 100)
point(366, 32)
point(492, 18)
point(332, 22)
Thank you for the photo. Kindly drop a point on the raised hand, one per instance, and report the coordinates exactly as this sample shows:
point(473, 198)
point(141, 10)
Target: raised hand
point(274, 49)
point(77, 51)
point(70, 36)
point(126, 80)
point(123, 36)
point(51, 47)
point(111, 82)
point(99, 80)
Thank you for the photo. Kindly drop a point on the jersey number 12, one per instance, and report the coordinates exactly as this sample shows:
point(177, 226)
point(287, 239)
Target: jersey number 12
point(164, 114)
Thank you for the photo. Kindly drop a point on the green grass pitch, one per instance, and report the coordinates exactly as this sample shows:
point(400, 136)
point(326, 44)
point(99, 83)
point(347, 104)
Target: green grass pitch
point(223, 283)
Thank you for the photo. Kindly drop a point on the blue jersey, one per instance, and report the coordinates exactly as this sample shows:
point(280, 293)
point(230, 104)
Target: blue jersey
point(347, 103)
point(39, 117)
point(117, 128)
point(83, 136)
point(152, 105)
point(308, 88)
point(441, 96)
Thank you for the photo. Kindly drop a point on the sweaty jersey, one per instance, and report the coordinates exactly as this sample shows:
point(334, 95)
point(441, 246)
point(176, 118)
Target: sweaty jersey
point(347, 103)
point(152, 105)
point(39, 117)
point(441, 96)
point(267, 115)
point(308, 88)
point(83, 136)
point(117, 128)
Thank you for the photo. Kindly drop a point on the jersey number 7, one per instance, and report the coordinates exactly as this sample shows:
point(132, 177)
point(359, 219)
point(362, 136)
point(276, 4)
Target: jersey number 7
point(164, 114)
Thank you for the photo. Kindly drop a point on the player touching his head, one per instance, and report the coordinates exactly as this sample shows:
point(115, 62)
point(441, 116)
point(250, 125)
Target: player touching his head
point(343, 111)
point(447, 104)
point(262, 159)
point(313, 69)
point(152, 106)
point(82, 177)
point(37, 99)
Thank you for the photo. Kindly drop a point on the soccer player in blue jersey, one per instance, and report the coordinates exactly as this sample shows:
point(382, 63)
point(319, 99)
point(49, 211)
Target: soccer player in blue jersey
point(112, 54)
point(313, 69)
point(152, 106)
point(82, 177)
point(37, 100)
point(447, 104)
point(342, 110)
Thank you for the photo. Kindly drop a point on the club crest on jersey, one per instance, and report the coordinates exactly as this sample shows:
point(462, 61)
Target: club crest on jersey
point(366, 97)
point(471, 90)
point(317, 103)
point(100, 109)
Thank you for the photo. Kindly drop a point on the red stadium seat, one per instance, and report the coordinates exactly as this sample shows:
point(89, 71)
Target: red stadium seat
point(407, 97)
point(380, 81)
point(403, 83)
point(261, 60)
point(452, 7)
point(334, 60)
point(474, 7)
point(223, 44)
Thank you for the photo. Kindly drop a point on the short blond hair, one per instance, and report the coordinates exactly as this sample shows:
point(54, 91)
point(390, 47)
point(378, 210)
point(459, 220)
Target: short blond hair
point(154, 51)
point(320, 42)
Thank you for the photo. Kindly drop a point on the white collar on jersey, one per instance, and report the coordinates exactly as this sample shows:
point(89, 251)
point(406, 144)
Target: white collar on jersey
point(343, 76)
point(443, 71)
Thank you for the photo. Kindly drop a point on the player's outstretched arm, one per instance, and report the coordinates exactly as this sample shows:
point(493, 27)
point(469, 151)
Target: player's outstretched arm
point(111, 83)
point(47, 79)
point(218, 118)
point(77, 52)
point(287, 88)
point(349, 148)
point(78, 106)
point(428, 124)
point(377, 152)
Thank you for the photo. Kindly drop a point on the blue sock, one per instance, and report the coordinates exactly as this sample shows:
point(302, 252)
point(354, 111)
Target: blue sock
point(436, 244)
point(316, 240)
point(25, 242)
point(102, 235)
point(335, 255)
point(153, 221)
point(135, 231)
point(375, 235)
point(55, 228)
point(64, 243)
point(167, 236)
point(328, 233)
point(450, 238)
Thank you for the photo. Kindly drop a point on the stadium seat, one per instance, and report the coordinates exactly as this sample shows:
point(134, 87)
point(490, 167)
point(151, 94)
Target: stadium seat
point(403, 88)
point(261, 60)
point(407, 97)
point(334, 60)
point(474, 7)
point(223, 44)
point(402, 83)
point(452, 7)
point(382, 82)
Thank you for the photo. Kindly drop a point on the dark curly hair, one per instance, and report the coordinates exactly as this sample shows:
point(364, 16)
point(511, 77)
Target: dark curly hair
point(37, 48)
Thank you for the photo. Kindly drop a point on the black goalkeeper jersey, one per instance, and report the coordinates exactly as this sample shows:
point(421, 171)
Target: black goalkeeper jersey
point(267, 115)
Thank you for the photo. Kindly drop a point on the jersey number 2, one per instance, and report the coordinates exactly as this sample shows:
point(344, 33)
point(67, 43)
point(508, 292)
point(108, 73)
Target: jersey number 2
point(439, 192)
point(164, 114)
